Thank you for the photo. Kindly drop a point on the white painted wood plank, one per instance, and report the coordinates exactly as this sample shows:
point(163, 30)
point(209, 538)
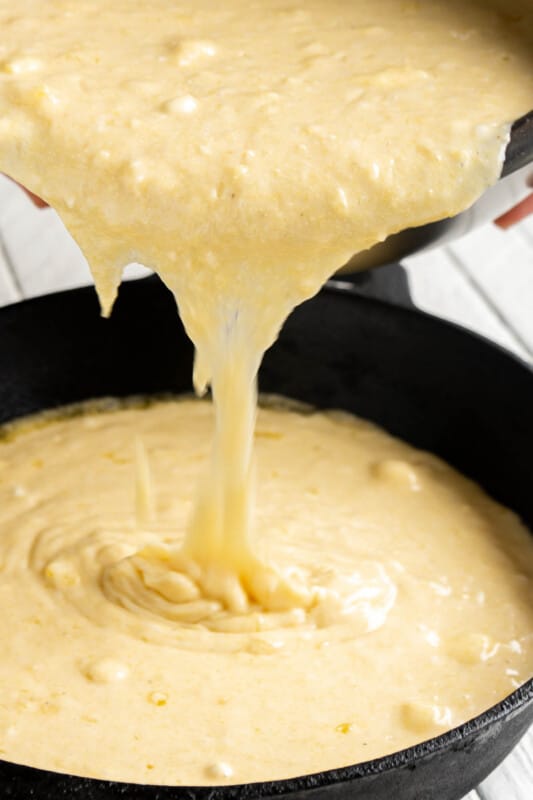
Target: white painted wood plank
point(439, 287)
point(42, 252)
point(39, 248)
point(514, 779)
point(525, 229)
point(9, 289)
point(500, 265)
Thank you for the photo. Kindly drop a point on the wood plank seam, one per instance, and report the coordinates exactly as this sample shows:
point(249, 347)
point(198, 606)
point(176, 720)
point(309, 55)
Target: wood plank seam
point(489, 302)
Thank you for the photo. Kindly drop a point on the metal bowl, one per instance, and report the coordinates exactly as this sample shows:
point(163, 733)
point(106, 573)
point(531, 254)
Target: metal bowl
point(432, 383)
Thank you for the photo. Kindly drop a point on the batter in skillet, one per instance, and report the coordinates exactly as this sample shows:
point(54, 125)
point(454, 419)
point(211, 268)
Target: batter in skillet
point(245, 151)
point(423, 618)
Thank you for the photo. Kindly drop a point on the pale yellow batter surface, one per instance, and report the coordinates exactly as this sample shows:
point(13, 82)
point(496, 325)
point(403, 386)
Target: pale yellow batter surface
point(245, 150)
point(441, 575)
point(251, 147)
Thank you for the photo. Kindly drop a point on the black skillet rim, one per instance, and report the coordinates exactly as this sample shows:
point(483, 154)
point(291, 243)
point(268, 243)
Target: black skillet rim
point(407, 758)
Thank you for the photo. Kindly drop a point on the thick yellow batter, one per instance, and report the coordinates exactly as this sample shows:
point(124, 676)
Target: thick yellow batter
point(100, 678)
point(245, 151)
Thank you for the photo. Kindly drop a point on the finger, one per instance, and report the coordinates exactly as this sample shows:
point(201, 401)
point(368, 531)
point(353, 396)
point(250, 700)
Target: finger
point(516, 214)
point(33, 197)
point(35, 200)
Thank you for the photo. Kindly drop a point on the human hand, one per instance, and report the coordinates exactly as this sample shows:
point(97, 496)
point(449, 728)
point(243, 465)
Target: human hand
point(35, 200)
point(518, 212)
point(33, 197)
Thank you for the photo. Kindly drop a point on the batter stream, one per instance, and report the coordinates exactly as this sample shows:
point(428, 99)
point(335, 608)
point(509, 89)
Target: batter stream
point(246, 151)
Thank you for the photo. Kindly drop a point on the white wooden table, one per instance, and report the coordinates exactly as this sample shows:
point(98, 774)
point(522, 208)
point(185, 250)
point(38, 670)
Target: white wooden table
point(484, 281)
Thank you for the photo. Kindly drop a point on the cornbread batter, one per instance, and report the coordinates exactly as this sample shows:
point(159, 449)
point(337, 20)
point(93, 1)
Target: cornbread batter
point(433, 579)
point(245, 151)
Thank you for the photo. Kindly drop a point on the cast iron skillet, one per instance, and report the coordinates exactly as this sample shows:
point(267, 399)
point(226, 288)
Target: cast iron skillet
point(427, 381)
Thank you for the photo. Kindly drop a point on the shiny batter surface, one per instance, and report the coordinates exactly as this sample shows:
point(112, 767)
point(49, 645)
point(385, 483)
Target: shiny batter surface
point(245, 151)
point(436, 581)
